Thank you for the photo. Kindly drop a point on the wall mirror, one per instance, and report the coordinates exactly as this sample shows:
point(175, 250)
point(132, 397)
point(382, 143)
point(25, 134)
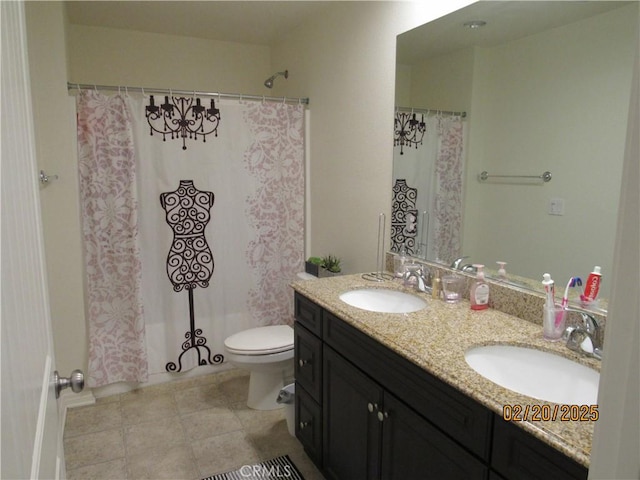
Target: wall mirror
point(546, 88)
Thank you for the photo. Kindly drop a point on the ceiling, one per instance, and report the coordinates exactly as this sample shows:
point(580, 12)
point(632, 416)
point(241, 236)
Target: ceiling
point(506, 21)
point(265, 22)
point(254, 22)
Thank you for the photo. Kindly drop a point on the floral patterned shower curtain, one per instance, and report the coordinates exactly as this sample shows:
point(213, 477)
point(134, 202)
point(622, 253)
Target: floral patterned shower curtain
point(449, 172)
point(255, 170)
point(108, 205)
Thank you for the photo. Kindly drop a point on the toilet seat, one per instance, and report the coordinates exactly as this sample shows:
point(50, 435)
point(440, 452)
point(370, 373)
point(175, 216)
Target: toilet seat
point(261, 340)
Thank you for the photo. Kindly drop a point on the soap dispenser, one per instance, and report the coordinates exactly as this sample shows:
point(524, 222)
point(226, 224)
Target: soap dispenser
point(502, 273)
point(479, 293)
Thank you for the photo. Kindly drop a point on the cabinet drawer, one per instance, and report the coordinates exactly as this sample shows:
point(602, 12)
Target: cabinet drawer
point(308, 314)
point(465, 420)
point(308, 361)
point(309, 424)
point(517, 454)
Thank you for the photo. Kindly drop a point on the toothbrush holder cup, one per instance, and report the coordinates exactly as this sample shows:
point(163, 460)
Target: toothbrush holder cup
point(553, 322)
point(452, 288)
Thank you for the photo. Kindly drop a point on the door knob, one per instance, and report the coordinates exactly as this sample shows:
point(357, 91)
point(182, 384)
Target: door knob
point(75, 381)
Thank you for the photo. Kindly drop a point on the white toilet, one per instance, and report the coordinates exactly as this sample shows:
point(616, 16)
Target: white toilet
point(267, 352)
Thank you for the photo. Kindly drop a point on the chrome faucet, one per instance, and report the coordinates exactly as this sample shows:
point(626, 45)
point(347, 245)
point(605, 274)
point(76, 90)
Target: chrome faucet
point(423, 280)
point(577, 335)
point(457, 265)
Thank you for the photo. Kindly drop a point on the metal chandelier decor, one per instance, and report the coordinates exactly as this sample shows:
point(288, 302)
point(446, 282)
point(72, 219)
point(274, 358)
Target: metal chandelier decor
point(408, 131)
point(182, 116)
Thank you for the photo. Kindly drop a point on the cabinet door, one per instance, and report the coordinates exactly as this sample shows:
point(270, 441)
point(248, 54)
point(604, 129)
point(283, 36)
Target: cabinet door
point(519, 455)
point(309, 424)
point(412, 448)
point(351, 427)
point(308, 361)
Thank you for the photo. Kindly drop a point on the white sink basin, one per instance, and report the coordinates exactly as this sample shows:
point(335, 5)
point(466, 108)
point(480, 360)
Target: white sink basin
point(382, 300)
point(535, 373)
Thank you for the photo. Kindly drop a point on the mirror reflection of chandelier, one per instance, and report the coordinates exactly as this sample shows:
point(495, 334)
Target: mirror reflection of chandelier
point(182, 116)
point(408, 131)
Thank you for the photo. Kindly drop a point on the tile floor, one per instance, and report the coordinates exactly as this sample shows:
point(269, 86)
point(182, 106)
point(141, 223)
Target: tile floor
point(187, 429)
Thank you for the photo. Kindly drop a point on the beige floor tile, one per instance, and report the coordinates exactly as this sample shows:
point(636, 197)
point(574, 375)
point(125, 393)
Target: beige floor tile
point(186, 429)
point(235, 388)
point(93, 448)
point(148, 406)
point(92, 418)
point(208, 423)
point(157, 434)
point(306, 467)
point(224, 452)
point(183, 383)
point(112, 470)
point(164, 463)
point(272, 441)
point(253, 419)
point(159, 389)
point(199, 398)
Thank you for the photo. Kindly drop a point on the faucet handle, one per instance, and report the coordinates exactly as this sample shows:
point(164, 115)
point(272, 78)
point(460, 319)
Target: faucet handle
point(456, 263)
point(590, 323)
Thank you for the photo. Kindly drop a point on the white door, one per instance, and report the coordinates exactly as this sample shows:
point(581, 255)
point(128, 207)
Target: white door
point(31, 433)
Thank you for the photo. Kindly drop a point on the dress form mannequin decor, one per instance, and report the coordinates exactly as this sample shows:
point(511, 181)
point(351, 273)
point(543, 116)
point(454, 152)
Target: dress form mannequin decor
point(404, 217)
point(190, 261)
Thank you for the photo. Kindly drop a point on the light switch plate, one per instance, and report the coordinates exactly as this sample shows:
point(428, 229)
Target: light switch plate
point(556, 206)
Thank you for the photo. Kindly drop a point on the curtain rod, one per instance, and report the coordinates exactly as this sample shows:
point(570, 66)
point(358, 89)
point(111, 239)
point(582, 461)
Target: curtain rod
point(164, 91)
point(431, 110)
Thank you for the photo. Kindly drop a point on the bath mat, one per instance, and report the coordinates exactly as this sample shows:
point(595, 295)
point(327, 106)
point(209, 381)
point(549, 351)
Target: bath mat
point(277, 468)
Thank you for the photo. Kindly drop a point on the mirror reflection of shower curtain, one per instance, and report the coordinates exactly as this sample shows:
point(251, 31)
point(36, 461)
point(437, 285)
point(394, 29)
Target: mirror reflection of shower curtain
point(436, 170)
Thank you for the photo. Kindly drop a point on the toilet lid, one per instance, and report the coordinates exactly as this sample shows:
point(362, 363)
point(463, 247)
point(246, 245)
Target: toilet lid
point(261, 340)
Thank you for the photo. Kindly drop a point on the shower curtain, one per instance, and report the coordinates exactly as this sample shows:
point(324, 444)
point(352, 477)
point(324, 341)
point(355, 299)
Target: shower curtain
point(436, 169)
point(253, 174)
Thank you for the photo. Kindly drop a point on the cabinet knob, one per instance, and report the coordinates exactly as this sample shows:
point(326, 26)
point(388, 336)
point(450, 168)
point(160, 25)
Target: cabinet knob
point(303, 425)
point(302, 362)
point(382, 416)
point(372, 406)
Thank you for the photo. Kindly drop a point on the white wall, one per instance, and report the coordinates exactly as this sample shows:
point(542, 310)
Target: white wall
point(110, 56)
point(55, 148)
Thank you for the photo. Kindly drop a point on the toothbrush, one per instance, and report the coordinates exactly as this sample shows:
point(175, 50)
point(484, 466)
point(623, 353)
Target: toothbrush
point(573, 281)
point(550, 290)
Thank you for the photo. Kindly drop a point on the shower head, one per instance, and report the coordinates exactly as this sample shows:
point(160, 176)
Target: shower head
point(269, 81)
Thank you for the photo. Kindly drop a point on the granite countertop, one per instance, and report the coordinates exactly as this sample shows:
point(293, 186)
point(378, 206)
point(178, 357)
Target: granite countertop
point(436, 338)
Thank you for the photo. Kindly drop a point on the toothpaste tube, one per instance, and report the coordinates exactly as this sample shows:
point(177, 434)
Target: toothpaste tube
point(592, 286)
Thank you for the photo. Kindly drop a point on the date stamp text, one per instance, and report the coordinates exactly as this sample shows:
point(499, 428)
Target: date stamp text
point(545, 413)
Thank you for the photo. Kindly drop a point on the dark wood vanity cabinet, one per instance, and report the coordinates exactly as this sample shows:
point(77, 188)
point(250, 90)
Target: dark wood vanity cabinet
point(365, 412)
point(370, 434)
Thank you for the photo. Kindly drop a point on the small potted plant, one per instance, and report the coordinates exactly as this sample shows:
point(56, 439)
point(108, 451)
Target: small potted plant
point(330, 266)
point(313, 265)
point(323, 266)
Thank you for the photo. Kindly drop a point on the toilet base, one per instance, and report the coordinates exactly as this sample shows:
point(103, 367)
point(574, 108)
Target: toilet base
point(264, 389)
